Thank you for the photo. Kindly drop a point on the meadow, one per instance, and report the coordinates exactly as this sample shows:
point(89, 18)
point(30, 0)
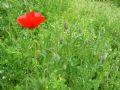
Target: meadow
point(76, 48)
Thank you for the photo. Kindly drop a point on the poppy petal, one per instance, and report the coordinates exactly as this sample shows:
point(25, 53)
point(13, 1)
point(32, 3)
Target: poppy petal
point(31, 20)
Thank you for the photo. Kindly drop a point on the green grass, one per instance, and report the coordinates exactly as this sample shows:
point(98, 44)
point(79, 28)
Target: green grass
point(77, 48)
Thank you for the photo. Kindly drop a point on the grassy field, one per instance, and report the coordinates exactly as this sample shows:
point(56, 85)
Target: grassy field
point(77, 48)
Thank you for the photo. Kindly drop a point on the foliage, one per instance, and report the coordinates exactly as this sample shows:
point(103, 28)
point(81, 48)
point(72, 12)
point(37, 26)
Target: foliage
point(77, 48)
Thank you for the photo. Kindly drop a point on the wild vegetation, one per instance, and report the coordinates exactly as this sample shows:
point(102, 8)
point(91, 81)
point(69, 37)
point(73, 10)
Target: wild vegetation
point(77, 48)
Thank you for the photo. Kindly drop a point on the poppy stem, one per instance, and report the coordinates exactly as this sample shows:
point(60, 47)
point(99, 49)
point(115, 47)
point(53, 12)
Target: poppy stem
point(35, 44)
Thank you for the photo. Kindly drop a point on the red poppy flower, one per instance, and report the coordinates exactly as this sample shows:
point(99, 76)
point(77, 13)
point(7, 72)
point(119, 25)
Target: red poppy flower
point(31, 19)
